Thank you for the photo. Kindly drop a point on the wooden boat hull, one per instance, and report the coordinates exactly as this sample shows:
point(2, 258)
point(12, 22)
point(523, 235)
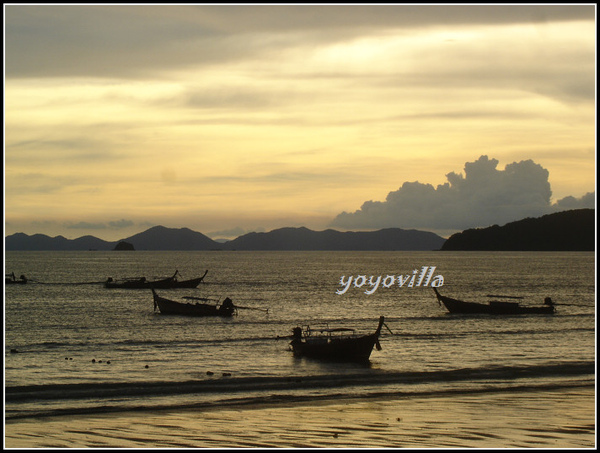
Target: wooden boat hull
point(494, 308)
point(166, 283)
point(187, 283)
point(357, 349)
point(171, 307)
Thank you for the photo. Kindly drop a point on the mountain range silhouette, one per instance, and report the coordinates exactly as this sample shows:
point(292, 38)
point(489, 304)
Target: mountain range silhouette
point(567, 230)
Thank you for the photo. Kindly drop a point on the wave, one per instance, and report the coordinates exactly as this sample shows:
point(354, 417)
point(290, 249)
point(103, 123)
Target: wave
point(368, 378)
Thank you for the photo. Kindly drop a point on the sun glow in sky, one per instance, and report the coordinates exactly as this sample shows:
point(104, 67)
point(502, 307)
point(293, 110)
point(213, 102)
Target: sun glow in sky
point(229, 119)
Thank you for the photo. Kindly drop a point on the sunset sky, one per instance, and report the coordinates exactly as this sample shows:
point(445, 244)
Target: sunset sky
point(227, 119)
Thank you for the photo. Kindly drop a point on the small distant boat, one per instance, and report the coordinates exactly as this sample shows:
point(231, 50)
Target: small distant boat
point(337, 344)
point(12, 279)
point(494, 307)
point(165, 283)
point(171, 307)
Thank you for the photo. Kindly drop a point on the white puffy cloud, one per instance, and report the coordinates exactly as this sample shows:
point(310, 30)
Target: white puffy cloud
point(484, 196)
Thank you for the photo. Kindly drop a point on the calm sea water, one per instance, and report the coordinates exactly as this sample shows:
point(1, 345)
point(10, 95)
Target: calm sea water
point(67, 327)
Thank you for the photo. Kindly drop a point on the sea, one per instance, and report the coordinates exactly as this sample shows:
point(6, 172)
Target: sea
point(73, 346)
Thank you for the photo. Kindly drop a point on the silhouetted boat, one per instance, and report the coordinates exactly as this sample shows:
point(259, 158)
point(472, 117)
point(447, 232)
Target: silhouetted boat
point(143, 283)
point(192, 283)
point(171, 307)
point(493, 307)
point(12, 279)
point(337, 344)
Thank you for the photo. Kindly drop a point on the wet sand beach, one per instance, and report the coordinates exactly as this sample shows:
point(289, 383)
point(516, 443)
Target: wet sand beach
point(556, 418)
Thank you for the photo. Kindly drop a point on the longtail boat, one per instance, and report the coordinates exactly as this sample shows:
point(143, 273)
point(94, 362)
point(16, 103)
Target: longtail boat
point(335, 344)
point(495, 307)
point(12, 279)
point(171, 307)
point(165, 283)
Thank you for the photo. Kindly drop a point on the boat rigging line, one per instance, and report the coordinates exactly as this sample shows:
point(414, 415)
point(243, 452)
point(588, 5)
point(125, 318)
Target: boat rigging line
point(390, 330)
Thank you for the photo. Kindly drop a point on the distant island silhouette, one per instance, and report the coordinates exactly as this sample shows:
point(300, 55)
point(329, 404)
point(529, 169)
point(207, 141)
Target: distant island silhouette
point(568, 230)
point(162, 238)
point(124, 246)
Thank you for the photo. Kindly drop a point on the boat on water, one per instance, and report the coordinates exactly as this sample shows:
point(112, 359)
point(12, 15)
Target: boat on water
point(171, 307)
point(11, 278)
point(165, 283)
point(334, 344)
point(495, 307)
point(191, 283)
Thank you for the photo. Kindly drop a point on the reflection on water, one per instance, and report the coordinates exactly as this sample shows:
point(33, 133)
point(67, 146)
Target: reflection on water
point(75, 336)
point(548, 419)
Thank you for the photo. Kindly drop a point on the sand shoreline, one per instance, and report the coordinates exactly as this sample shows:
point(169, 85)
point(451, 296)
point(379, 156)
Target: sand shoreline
point(556, 418)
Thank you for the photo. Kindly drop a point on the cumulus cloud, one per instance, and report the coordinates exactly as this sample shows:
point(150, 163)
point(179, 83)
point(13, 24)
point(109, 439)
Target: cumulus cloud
point(586, 201)
point(483, 196)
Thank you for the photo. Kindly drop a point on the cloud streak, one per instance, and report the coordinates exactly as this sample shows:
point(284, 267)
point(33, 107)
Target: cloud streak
point(122, 41)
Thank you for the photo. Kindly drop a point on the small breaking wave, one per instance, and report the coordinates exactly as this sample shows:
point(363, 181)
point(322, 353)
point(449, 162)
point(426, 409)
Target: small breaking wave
point(62, 399)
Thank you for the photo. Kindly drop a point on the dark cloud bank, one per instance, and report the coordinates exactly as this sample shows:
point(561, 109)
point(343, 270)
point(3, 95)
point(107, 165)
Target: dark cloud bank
point(484, 196)
point(132, 40)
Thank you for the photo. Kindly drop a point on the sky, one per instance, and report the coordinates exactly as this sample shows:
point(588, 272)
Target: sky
point(228, 119)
